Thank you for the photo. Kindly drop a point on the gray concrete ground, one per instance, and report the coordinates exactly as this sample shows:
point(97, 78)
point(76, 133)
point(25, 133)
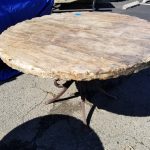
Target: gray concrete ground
point(115, 125)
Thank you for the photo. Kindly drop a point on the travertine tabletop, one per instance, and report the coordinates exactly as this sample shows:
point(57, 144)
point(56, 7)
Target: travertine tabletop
point(78, 46)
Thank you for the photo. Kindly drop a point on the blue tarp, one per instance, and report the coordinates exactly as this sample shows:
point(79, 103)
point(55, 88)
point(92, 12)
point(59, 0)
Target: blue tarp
point(14, 11)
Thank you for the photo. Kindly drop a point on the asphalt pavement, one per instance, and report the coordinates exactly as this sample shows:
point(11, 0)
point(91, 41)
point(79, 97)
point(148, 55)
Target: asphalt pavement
point(26, 123)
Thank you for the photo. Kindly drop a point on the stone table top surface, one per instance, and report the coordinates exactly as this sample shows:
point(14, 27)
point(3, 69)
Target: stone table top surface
point(78, 46)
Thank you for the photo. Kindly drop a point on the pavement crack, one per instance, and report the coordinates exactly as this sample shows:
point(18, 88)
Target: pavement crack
point(134, 138)
point(48, 92)
point(140, 142)
point(35, 106)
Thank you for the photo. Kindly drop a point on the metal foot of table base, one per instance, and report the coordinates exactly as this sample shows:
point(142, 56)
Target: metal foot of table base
point(64, 87)
point(83, 88)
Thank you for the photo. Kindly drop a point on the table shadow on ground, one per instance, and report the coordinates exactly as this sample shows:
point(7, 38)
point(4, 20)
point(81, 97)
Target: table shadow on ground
point(132, 92)
point(53, 132)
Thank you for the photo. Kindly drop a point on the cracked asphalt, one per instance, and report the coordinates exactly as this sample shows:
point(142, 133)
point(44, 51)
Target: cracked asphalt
point(119, 125)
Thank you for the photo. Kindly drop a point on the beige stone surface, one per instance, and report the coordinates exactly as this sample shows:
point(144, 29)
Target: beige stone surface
point(79, 46)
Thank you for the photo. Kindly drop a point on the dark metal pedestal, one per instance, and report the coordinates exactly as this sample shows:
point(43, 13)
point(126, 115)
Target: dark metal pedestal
point(83, 87)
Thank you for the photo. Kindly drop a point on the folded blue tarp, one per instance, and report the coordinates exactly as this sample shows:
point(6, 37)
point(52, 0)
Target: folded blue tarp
point(14, 11)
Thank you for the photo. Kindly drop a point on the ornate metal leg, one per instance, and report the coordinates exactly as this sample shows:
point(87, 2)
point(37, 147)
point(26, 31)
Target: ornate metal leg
point(82, 90)
point(64, 87)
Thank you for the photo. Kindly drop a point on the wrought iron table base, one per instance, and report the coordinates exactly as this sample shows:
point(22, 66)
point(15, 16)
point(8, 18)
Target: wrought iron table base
point(83, 88)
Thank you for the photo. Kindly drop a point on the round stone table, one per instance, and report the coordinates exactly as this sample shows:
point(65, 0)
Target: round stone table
point(78, 47)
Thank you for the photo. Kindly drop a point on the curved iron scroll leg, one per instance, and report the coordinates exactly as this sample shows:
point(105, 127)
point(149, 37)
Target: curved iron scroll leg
point(82, 90)
point(64, 87)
